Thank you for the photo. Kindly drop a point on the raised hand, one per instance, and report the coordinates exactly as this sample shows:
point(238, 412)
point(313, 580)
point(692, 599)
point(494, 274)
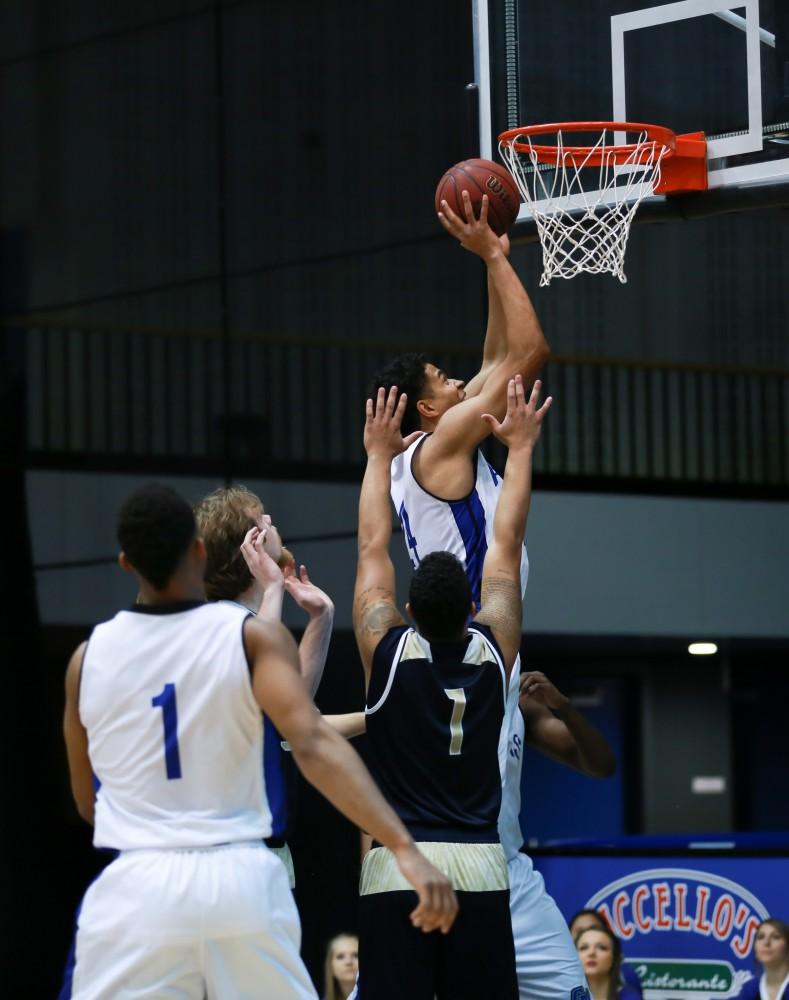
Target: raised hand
point(535, 685)
point(523, 421)
point(304, 592)
point(472, 233)
point(382, 425)
point(262, 567)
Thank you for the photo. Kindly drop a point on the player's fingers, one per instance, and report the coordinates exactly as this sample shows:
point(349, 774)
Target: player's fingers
point(449, 215)
point(535, 393)
point(380, 401)
point(400, 408)
point(391, 402)
point(304, 575)
point(468, 208)
point(249, 538)
point(451, 911)
point(483, 212)
point(545, 406)
point(409, 440)
point(491, 421)
point(368, 411)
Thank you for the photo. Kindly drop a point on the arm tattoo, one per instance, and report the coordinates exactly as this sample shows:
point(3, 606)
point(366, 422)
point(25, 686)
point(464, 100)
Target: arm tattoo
point(502, 607)
point(380, 618)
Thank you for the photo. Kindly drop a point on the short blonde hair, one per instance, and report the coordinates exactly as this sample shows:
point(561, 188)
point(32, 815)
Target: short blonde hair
point(223, 519)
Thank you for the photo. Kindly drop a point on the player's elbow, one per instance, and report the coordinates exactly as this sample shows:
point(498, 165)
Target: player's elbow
point(603, 768)
point(306, 741)
point(85, 807)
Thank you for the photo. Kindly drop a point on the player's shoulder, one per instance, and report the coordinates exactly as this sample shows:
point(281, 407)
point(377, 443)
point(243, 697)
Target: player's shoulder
point(487, 643)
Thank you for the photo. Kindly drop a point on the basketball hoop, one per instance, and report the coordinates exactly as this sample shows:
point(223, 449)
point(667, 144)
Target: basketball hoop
point(584, 198)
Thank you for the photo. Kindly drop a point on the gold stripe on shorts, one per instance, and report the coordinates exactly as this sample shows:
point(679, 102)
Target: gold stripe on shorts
point(469, 867)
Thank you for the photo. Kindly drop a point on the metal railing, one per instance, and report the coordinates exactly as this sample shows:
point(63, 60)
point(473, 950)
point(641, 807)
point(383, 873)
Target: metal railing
point(146, 398)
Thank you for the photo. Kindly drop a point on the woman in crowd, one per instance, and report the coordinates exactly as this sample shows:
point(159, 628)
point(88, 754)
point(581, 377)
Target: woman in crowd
point(601, 957)
point(583, 920)
point(771, 951)
point(341, 967)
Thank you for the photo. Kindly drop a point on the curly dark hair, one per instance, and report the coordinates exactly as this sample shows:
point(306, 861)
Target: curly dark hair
point(155, 527)
point(407, 372)
point(440, 596)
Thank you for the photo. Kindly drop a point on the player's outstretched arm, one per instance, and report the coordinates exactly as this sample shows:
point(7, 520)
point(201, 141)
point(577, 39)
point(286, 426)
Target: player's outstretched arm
point(556, 728)
point(374, 605)
point(501, 591)
point(335, 769)
point(314, 645)
point(348, 724)
point(76, 736)
point(514, 341)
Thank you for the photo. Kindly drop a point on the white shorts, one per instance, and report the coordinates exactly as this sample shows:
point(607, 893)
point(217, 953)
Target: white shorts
point(545, 957)
point(217, 922)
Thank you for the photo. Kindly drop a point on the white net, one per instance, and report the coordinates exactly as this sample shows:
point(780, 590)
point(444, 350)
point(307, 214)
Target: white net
point(583, 202)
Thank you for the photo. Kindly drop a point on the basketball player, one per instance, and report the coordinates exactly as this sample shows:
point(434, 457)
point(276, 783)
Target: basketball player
point(435, 707)
point(163, 705)
point(546, 958)
point(443, 489)
point(445, 495)
point(248, 565)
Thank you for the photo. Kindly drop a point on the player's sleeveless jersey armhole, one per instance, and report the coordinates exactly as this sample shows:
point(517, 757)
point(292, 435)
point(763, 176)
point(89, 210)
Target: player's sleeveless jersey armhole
point(486, 633)
point(385, 660)
point(247, 657)
point(82, 672)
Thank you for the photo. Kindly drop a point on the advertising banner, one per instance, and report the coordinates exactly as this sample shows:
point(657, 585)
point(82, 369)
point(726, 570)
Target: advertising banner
point(686, 924)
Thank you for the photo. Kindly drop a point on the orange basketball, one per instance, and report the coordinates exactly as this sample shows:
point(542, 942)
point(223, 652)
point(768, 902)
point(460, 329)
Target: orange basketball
point(480, 177)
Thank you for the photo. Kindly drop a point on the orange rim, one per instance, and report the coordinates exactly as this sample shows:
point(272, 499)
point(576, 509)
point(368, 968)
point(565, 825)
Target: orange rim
point(591, 154)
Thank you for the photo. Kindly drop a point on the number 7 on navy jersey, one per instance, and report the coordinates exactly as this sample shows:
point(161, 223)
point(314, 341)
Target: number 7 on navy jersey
point(166, 701)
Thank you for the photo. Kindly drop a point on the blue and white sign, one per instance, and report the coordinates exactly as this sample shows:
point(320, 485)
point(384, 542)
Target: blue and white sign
point(687, 924)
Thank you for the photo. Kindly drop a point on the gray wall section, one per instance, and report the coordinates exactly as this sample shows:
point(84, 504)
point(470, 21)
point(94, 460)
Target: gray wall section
point(599, 564)
point(686, 734)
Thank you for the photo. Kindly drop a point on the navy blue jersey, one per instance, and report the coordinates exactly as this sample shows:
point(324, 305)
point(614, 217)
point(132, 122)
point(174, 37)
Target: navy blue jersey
point(434, 716)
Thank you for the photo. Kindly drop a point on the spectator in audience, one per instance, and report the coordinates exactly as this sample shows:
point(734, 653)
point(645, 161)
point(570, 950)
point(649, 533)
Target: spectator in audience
point(601, 957)
point(341, 966)
point(771, 951)
point(582, 921)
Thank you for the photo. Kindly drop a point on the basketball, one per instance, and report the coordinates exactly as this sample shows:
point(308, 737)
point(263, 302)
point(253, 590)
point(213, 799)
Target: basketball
point(480, 177)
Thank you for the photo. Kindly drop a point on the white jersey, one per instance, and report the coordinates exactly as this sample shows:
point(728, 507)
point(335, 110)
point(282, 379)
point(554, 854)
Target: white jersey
point(463, 527)
point(513, 732)
point(175, 736)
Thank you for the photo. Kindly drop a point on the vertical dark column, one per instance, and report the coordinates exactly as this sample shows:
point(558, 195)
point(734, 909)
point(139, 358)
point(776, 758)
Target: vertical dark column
point(221, 207)
point(29, 780)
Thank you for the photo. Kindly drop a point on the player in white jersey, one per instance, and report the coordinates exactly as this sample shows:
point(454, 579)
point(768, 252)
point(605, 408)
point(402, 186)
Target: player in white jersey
point(247, 564)
point(541, 716)
point(444, 491)
point(163, 706)
point(445, 495)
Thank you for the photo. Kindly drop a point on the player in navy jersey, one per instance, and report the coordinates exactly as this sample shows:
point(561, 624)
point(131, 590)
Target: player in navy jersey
point(163, 705)
point(443, 489)
point(435, 707)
